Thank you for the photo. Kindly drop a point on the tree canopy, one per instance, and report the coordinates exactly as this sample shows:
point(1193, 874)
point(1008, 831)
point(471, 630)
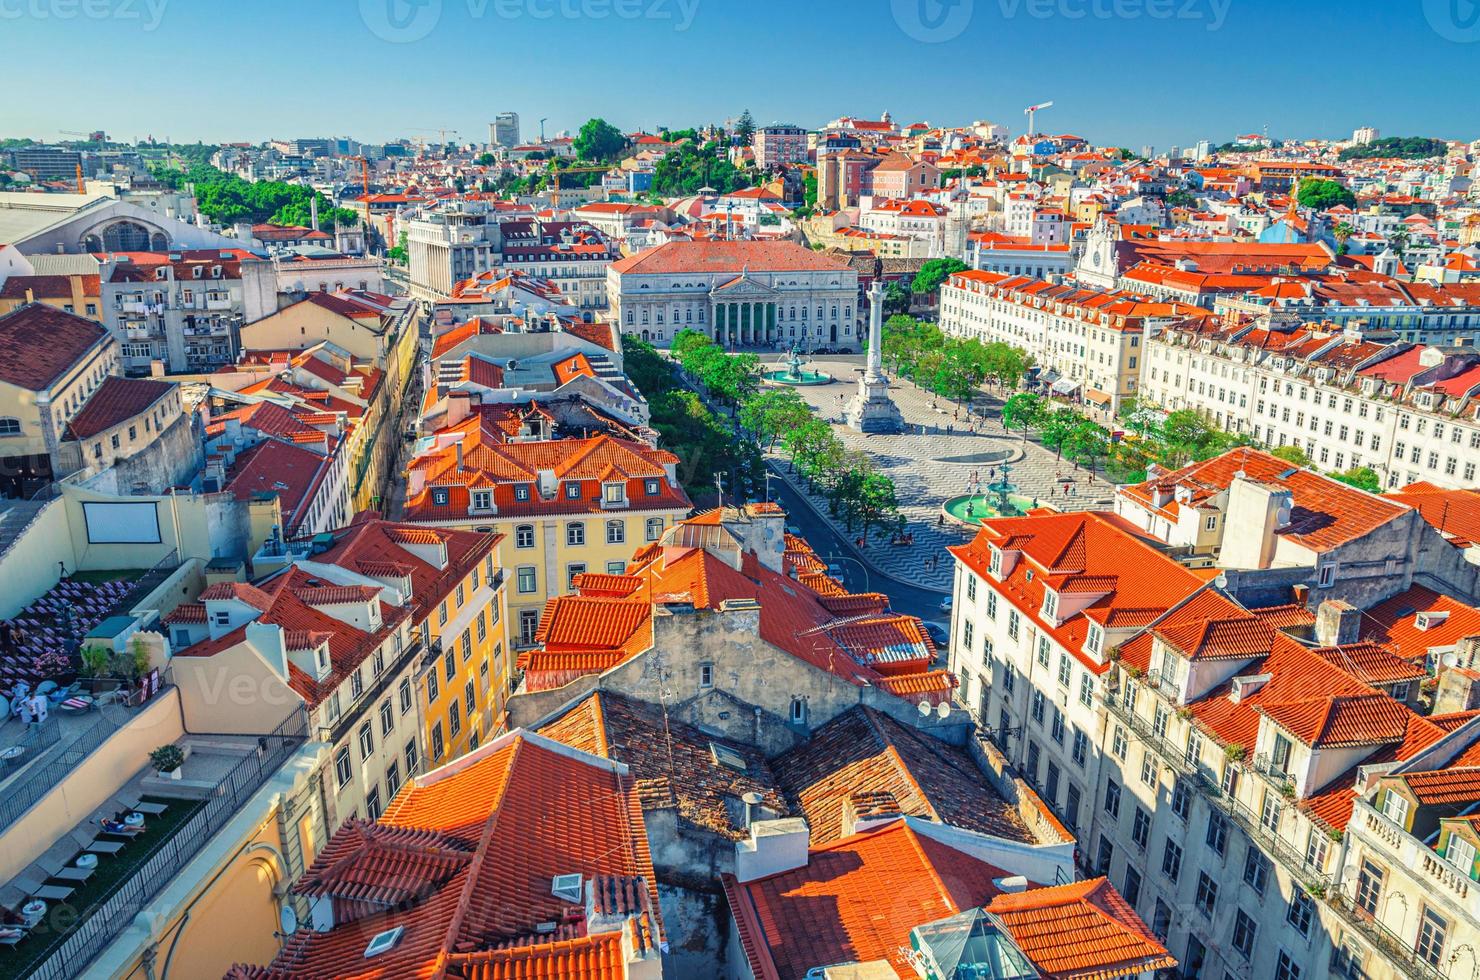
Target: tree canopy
point(935, 272)
point(226, 198)
point(599, 141)
point(682, 172)
point(1397, 148)
point(1322, 194)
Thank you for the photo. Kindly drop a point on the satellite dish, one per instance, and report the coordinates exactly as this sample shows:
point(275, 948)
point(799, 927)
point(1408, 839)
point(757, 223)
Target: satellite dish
point(1221, 581)
point(943, 709)
point(288, 920)
point(924, 707)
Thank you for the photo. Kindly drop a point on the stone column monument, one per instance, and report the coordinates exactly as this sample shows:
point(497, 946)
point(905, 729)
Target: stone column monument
point(872, 410)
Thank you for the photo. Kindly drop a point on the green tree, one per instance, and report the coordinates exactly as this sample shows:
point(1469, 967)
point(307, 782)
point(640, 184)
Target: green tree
point(399, 253)
point(1184, 435)
point(809, 190)
point(935, 272)
point(1022, 411)
point(1056, 428)
point(599, 141)
point(745, 128)
point(1086, 444)
point(1322, 194)
point(772, 412)
point(896, 298)
point(1181, 199)
point(1397, 148)
point(484, 160)
point(878, 502)
point(1361, 477)
point(1342, 233)
point(1291, 454)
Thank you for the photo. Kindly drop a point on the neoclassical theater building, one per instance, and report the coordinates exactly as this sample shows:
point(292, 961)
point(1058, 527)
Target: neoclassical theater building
point(742, 293)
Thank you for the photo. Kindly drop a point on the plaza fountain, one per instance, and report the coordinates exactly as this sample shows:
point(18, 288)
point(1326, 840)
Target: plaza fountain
point(794, 374)
point(998, 498)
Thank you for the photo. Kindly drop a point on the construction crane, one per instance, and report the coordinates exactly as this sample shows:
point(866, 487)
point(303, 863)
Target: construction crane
point(441, 137)
point(1029, 112)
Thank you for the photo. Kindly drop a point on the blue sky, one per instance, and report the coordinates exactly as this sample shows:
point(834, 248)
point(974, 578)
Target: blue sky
point(1130, 72)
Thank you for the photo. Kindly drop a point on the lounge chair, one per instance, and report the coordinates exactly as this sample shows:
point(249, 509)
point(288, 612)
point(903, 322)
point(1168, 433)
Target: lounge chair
point(11, 934)
point(150, 809)
point(92, 845)
point(76, 875)
point(54, 893)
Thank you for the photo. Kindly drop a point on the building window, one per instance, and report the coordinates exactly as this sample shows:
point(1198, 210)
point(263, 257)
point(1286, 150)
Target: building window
point(706, 675)
point(387, 716)
point(342, 768)
point(1217, 835)
point(1207, 894)
point(1244, 931)
point(1119, 743)
point(1286, 968)
point(575, 534)
point(1300, 912)
point(616, 532)
point(571, 571)
point(529, 625)
point(1132, 891)
point(1141, 828)
point(413, 758)
point(1112, 798)
point(1256, 870)
point(524, 579)
point(392, 780)
point(439, 742)
point(1395, 808)
point(1432, 928)
point(405, 694)
point(654, 528)
point(1171, 860)
point(798, 711)
point(524, 536)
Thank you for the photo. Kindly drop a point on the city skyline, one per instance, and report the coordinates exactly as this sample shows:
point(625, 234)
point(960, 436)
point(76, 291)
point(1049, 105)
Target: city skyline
point(1001, 51)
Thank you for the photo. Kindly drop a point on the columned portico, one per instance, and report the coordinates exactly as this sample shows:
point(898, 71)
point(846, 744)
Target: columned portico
point(744, 323)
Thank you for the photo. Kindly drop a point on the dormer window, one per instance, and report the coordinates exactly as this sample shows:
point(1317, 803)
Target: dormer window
point(573, 491)
point(482, 500)
point(321, 658)
point(1094, 639)
point(223, 618)
point(652, 487)
point(440, 497)
point(521, 491)
point(996, 565)
point(1395, 808)
point(1050, 603)
point(614, 493)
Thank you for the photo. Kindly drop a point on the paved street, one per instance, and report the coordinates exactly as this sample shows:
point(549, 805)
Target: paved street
point(930, 464)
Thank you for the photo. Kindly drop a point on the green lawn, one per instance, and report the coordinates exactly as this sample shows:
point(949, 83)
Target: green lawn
point(107, 575)
point(18, 962)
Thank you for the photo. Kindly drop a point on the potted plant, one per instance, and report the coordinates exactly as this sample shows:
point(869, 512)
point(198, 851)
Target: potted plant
point(167, 760)
point(1235, 752)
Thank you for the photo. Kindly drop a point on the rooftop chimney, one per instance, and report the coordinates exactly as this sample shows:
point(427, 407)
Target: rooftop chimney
point(1337, 623)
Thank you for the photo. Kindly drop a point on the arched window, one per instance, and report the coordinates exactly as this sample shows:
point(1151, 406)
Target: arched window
point(130, 236)
point(524, 536)
point(10, 426)
point(616, 532)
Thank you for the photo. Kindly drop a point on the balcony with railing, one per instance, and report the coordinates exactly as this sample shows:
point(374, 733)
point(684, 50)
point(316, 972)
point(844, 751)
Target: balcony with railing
point(1399, 952)
point(111, 912)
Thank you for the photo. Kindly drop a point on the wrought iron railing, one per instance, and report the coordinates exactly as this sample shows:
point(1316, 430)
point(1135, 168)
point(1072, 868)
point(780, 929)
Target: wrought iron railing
point(1398, 951)
point(70, 954)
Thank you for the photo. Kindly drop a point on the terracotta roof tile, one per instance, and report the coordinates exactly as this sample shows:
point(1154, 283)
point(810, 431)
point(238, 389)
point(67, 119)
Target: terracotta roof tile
point(1080, 931)
point(40, 343)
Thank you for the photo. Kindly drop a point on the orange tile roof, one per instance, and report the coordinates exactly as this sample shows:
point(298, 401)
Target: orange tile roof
point(1080, 931)
point(1138, 582)
point(1394, 622)
point(856, 900)
point(1341, 720)
point(1444, 786)
point(1326, 512)
point(462, 861)
point(865, 751)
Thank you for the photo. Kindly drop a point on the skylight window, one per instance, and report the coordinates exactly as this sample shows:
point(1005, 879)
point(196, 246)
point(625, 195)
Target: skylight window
point(384, 941)
point(728, 757)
